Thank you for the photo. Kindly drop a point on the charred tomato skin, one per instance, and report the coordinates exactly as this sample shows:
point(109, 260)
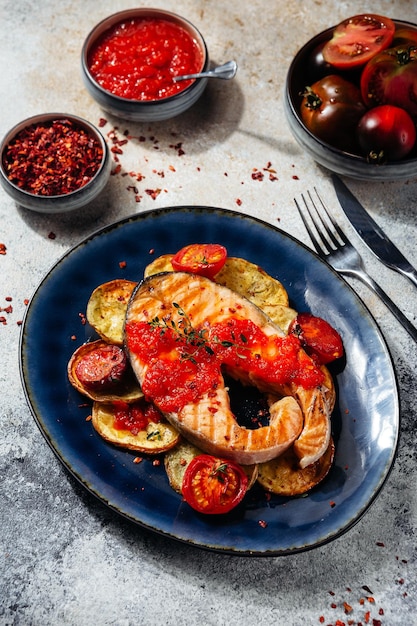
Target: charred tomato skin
point(391, 78)
point(386, 133)
point(102, 368)
point(357, 39)
point(331, 109)
point(213, 486)
point(318, 338)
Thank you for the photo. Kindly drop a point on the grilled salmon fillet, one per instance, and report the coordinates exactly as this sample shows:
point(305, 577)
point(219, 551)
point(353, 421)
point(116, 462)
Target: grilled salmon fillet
point(193, 310)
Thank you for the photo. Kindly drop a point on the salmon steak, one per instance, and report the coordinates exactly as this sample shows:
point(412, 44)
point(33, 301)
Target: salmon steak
point(183, 332)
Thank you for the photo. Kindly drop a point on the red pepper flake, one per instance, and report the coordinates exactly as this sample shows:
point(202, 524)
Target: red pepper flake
point(154, 193)
point(19, 322)
point(295, 177)
point(137, 459)
point(3, 248)
point(122, 264)
point(367, 617)
point(73, 337)
point(151, 251)
point(8, 299)
point(3, 320)
point(88, 418)
point(156, 462)
point(53, 158)
point(51, 235)
point(347, 608)
point(321, 619)
point(102, 122)
point(332, 504)
point(116, 150)
point(116, 170)
point(26, 301)
point(7, 309)
point(333, 605)
point(82, 318)
point(238, 201)
point(380, 544)
point(257, 175)
point(262, 523)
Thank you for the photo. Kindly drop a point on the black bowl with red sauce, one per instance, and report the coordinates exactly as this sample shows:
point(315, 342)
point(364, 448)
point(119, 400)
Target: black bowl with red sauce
point(54, 162)
point(129, 60)
point(335, 160)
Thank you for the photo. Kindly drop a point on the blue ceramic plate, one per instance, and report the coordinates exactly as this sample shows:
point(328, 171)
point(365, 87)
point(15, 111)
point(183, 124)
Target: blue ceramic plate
point(365, 421)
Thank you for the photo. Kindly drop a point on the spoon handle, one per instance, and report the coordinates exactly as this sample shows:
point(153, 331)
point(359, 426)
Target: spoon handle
point(226, 71)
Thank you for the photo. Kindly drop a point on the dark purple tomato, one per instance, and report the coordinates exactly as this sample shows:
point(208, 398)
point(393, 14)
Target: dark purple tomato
point(386, 133)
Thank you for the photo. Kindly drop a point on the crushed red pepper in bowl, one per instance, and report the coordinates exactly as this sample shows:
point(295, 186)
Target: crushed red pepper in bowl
point(54, 162)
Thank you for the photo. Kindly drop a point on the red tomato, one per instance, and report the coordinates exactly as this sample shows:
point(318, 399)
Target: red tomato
point(211, 485)
point(357, 39)
point(386, 133)
point(331, 109)
point(205, 259)
point(391, 78)
point(318, 338)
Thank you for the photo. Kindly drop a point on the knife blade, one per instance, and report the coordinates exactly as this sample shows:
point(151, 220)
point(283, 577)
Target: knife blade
point(371, 233)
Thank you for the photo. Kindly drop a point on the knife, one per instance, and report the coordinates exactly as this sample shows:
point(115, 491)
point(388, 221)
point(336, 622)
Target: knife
point(374, 237)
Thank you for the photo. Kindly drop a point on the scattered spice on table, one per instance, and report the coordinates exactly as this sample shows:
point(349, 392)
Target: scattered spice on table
point(52, 158)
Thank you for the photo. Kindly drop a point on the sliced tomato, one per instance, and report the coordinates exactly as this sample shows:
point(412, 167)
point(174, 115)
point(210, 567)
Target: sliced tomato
point(212, 485)
point(318, 338)
point(205, 259)
point(357, 39)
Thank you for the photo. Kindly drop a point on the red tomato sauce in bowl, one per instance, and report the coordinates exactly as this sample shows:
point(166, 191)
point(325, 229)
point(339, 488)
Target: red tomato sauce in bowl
point(137, 58)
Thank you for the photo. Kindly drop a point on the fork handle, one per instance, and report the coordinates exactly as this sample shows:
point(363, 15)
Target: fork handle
point(404, 321)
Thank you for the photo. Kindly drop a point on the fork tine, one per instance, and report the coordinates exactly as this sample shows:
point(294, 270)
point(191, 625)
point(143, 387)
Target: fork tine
point(312, 236)
point(335, 225)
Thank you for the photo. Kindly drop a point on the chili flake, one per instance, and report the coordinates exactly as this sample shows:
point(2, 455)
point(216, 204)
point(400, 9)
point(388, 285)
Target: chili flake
point(52, 158)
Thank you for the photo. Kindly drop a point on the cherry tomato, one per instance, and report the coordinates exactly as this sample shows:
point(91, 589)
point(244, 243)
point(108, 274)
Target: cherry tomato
point(205, 259)
point(331, 109)
point(211, 485)
point(357, 39)
point(386, 133)
point(102, 368)
point(391, 78)
point(318, 338)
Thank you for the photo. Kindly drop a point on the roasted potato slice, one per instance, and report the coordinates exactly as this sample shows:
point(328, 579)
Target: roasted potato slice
point(156, 438)
point(106, 309)
point(284, 477)
point(125, 388)
point(177, 459)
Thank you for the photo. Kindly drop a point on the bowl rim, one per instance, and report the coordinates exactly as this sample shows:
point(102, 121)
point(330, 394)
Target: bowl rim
point(291, 100)
point(45, 117)
point(111, 20)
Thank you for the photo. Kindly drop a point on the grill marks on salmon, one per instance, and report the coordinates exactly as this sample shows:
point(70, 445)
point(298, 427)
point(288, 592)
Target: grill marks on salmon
point(297, 416)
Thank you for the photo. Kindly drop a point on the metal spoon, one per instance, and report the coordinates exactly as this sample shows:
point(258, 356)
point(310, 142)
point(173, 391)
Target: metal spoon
point(226, 71)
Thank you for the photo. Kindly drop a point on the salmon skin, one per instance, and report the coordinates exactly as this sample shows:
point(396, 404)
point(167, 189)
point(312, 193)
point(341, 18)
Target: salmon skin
point(299, 416)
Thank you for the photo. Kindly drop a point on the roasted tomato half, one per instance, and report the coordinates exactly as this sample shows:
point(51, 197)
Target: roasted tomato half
point(331, 109)
point(391, 78)
point(357, 39)
point(318, 338)
point(386, 133)
point(214, 486)
point(205, 259)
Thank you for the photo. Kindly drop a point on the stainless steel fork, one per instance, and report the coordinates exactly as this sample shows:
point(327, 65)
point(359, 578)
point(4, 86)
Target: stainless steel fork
point(333, 246)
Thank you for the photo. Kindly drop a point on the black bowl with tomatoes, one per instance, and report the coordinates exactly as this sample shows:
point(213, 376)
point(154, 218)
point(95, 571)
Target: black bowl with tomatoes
point(346, 136)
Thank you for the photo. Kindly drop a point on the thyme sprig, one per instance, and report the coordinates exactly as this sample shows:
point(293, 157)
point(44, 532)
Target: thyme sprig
point(185, 332)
